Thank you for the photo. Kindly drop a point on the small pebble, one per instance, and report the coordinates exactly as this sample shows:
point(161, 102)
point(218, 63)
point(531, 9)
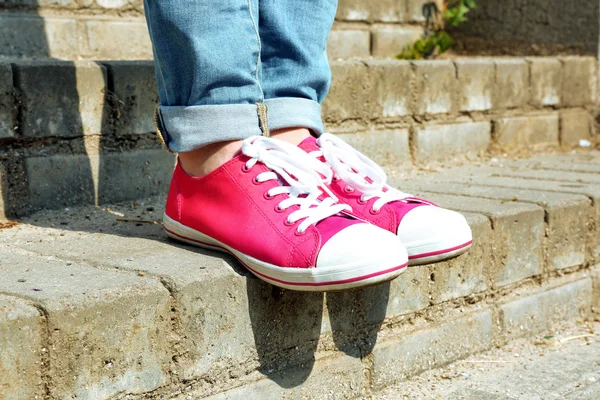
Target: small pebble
point(22, 280)
point(130, 259)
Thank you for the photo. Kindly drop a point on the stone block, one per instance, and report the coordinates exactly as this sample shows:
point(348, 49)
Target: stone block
point(392, 82)
point(442, 142)
point(129, 39)
point(21, 346)
point(467, 274)
point(26, 36)
point(397, 359)
point(512, 83)
point(579, 81)
point(566, 216)
point(541, 311)
point(66, 180)
point(330, 379)
point(353, 10)
point(546, 81)
point(7, 102)
point(107, 330)
point(436, 83)
point(518, 233)
point(348, 43)
point(350, 94)
point(388, 40)
point(418, 9)
point(575, 125)
point(385, 147)
point(61, 98)
point(475, 83)
point(519, 132)
point(388, 10)
point(596, 293)
point(134, 95)
point(3, 193)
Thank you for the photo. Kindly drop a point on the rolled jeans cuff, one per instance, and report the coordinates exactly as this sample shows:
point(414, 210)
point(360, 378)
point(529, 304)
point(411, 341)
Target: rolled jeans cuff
point(191, 127)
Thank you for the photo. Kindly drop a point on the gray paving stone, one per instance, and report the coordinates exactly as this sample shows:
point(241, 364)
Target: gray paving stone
point(21, 346)
point(7, 102)
point(566, 216)
point(539, 312)
point(134, 95)
point(60, 98)
point(553, 175)
point(107, 328)
point(396, 359)
point(517, 237)
point(554, 163)
point(579, 81)
point(533, 130)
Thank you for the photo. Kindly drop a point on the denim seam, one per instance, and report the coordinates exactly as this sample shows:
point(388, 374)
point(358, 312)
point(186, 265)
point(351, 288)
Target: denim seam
point(156, 63)
point(259, 50)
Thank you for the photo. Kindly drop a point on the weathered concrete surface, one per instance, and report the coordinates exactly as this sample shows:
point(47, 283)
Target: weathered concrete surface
point(512, 81)
point(476, 84)
point(438, 98)
point(7, 104)
point(519, 132)
point(546, 81)
point(21, 333)
point(113, 326)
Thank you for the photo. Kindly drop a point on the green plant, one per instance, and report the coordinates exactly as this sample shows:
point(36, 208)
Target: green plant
point(436, 40)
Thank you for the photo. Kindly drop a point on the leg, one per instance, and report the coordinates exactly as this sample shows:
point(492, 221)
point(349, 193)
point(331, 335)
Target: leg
point(296, 74)
point(207, 56)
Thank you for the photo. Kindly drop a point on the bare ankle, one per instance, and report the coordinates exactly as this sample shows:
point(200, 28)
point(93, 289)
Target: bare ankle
point(291, 135)
point(206, 159)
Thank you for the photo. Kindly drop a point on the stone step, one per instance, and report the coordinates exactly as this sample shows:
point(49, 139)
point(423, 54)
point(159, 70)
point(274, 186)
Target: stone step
point(97, 303)
point(82, 132)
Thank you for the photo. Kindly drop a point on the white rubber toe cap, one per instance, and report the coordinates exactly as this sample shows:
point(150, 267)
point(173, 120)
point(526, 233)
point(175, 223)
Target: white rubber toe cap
point(428, 224)
point(362, 246)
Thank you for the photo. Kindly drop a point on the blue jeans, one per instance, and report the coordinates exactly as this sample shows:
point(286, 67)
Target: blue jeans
point(231, 69)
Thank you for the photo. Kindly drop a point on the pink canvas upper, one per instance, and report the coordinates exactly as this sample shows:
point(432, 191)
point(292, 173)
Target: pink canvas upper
point(388, 217)
point(230, 206)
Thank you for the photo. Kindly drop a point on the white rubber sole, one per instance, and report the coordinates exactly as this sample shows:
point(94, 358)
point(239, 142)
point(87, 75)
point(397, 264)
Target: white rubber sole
point(340, 277)
point(434, 251)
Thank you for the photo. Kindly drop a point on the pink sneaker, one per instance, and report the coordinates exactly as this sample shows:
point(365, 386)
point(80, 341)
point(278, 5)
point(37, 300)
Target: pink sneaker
point(429, 233)
point(267, 208)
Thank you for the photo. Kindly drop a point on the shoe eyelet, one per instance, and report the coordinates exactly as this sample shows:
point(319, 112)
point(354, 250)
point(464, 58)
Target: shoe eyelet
point(288, 223)
point(361, 201)
point(373, 212)
point(267, 196)
point(245, 169)
point(255, 181)
point(348, 189)
point(278, 209)
point(336, 178)
point(300, 233)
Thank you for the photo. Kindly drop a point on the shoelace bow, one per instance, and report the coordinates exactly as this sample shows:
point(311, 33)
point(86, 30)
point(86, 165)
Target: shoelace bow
point(299, 177)
point(358, 171)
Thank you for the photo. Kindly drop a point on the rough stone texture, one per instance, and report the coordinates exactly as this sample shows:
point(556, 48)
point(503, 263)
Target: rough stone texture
point(338, 378)
point(530, 27)
point(566, 216)
point(392, 82)
point(7, 102)
point(129, 39)
point(475, 83)
point(348, 43)
point(546, 81)
point(20, 350)
point(519, 132)
point(384, 147)
point(112, 325)
point(134, 95)
point(441, 142)
point(435, 98)
point(410, 354)
point(3, 192)
point(417, 9)
point(539, 312)
point(377, 11)
point(596, 293)
point(467, 274)
point(353, 10)
point(389, 40)
point(349, 96)
point(579, 81)
point(518, 233)
point(28, 36)
point(574, 126)
point(61, 98)
point(512, 83)
point(59, 181)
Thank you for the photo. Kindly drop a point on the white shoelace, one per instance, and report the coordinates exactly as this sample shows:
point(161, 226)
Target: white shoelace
point(297, 173)
point(354, 168)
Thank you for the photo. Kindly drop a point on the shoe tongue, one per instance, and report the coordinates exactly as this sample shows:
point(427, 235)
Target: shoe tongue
point(309, 144)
